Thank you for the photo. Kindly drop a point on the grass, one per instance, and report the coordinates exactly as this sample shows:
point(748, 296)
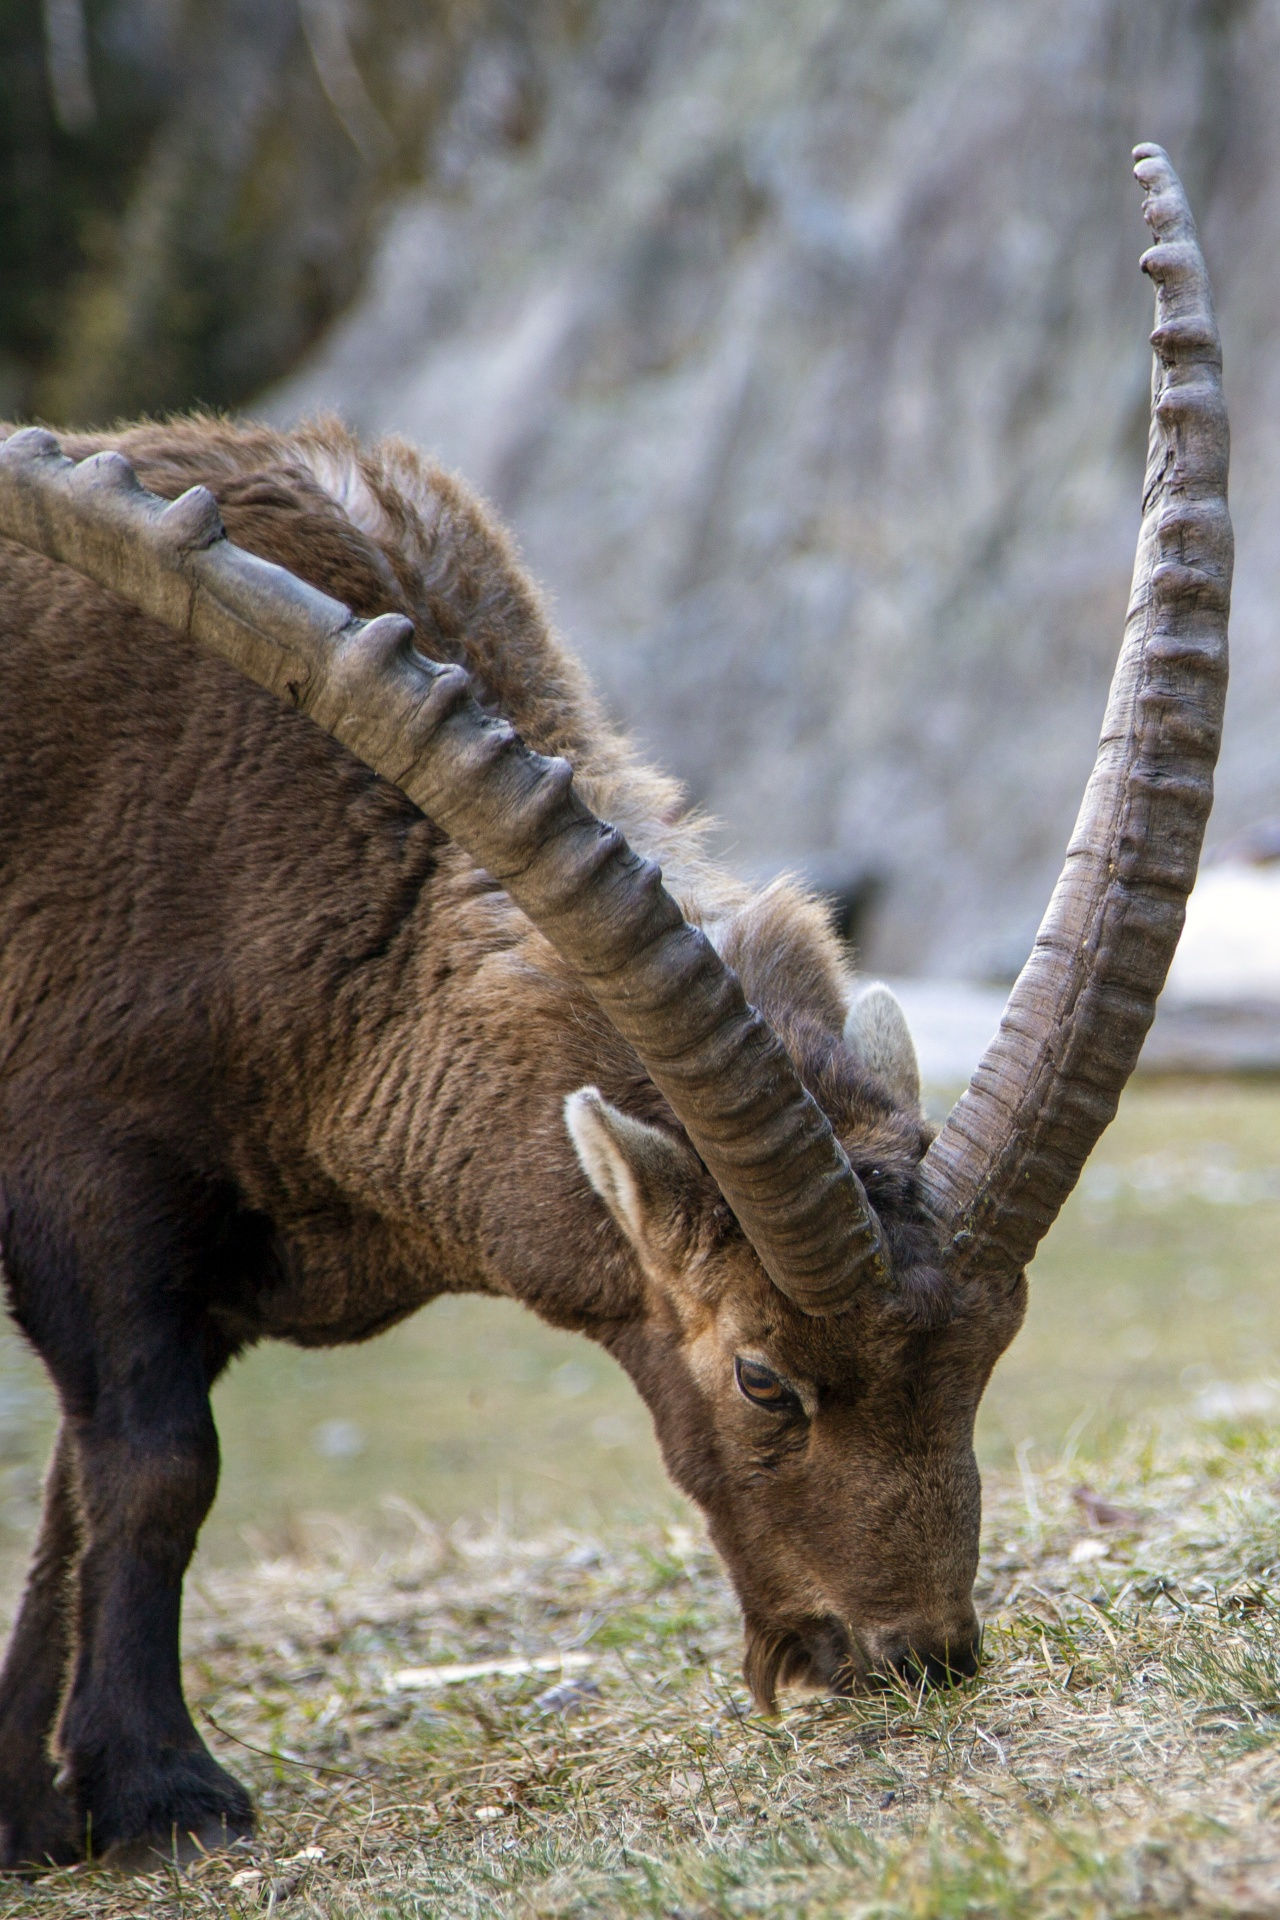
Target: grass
point(1118, 1756)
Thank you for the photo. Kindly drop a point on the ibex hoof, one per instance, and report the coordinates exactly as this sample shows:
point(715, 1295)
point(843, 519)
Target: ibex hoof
point(179, 1850)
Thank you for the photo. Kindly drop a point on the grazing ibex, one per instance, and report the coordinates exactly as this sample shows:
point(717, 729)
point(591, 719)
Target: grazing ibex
point(299, 1031)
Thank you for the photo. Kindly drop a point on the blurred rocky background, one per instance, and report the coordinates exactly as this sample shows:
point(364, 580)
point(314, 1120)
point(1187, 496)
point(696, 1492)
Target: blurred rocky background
point(803, 345)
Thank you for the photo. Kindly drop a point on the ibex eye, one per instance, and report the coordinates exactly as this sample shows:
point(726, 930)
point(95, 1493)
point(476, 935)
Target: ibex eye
point(762, 1385)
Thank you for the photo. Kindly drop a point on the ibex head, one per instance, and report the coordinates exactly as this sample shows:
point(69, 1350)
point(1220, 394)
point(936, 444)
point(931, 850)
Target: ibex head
point(825, 1290)
point(833, 1455)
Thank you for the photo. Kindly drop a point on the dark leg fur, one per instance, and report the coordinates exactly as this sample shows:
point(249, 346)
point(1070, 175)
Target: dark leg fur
point(38, 1826)
point(134, 1779)
point(136, 1767)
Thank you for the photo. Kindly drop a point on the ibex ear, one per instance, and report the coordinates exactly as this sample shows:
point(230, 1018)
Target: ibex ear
point(876, 1032)
point(641, 1173)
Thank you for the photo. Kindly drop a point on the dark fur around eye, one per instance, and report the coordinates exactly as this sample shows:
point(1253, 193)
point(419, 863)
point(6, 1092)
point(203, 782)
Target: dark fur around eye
point(761, 1385)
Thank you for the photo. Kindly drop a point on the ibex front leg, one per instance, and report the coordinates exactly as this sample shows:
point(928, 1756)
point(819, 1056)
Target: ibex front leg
point(138, 1773)
point(39, 1826)
point(111, 1287)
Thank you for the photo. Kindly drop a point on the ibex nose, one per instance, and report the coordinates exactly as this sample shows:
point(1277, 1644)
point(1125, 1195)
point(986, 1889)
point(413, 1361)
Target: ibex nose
point(925, 1656)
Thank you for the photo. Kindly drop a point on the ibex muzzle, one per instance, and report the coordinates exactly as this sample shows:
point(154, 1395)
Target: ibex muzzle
point(300, 1031)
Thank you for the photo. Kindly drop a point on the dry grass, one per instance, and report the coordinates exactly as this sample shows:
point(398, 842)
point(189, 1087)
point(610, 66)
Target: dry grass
point(1118, 1756)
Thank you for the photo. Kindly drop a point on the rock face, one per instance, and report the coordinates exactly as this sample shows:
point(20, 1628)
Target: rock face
point(804, 347)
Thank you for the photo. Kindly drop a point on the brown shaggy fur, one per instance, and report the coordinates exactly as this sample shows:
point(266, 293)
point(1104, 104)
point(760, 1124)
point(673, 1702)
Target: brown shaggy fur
point(277, 1060)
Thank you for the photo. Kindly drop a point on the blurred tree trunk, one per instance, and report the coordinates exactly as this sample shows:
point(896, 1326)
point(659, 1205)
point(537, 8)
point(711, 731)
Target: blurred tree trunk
point(184, 214)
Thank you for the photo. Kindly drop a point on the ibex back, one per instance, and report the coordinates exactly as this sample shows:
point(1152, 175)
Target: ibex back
point(283, 1053)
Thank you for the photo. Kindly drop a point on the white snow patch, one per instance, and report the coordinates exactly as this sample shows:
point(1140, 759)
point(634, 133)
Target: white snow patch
point(1230, 946)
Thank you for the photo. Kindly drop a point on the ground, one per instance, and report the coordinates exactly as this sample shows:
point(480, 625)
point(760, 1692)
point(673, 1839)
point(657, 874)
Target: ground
point(1118, 1755)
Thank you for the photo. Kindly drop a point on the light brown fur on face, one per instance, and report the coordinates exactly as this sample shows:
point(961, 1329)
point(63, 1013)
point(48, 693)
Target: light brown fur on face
point(276, 1060)
point(848, 1521)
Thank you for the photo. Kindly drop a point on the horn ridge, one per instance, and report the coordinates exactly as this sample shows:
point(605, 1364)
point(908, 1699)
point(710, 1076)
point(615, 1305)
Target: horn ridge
point(1013, 1146)
point(658, 980)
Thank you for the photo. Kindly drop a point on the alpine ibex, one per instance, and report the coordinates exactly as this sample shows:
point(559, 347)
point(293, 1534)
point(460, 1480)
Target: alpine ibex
point(300, 1031)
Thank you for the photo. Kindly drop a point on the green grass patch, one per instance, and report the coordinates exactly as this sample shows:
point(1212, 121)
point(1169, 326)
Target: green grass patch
point(1118, 1755)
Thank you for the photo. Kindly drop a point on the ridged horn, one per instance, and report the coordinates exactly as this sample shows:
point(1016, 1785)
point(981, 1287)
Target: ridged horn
point(1012, 1148)
point(659, 981)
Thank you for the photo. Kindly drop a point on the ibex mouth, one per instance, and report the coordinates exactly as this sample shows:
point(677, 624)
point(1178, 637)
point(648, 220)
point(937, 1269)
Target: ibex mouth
point(824, 1656)
point(907, 1668)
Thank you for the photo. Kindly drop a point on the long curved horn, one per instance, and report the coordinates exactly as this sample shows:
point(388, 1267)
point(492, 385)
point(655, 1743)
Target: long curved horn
point(660, 982)
point(1013, 1146)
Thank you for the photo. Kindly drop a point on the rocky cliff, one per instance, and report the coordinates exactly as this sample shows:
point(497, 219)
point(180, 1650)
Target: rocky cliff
point(805, 348)
point(803, 345)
